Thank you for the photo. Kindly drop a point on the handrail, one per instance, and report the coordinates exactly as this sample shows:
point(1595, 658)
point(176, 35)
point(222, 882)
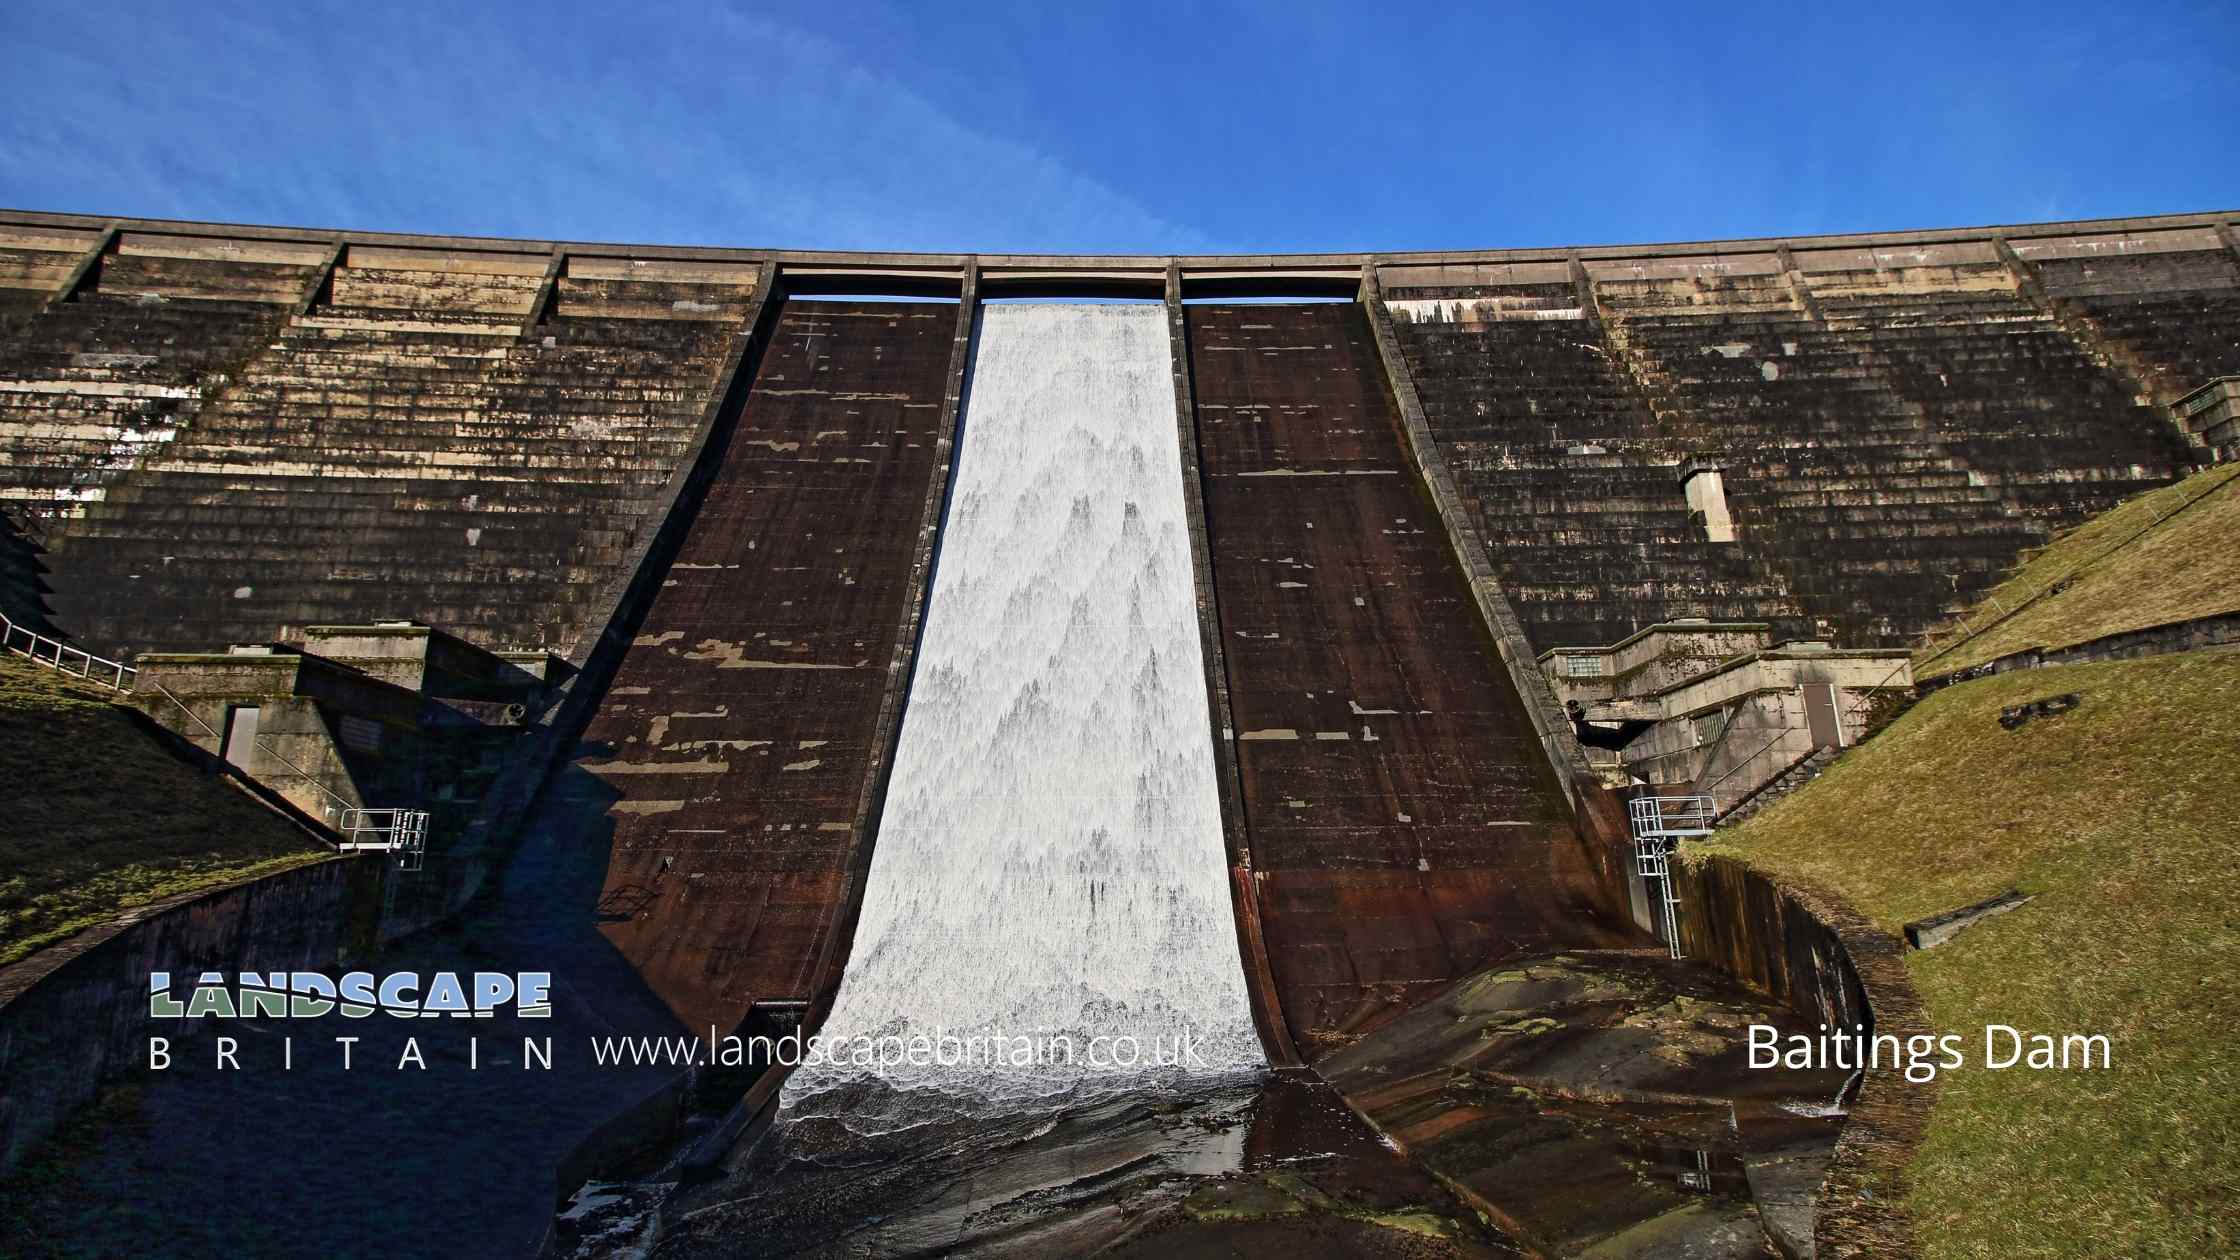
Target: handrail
point(1689, 814)
point(1658, 821)
point(404, 829)
point(403, 832)
point(1727, 719)
point(121, 677)
point(1736, 768)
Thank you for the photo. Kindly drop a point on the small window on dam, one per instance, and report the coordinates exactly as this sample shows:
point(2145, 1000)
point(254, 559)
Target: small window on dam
point(1706, 488)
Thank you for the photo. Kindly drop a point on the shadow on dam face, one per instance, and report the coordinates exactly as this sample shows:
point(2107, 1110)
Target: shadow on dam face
point(745, 714)
point(397, 1137)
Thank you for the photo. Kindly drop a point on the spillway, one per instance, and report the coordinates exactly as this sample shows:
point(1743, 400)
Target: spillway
point(1050, 860)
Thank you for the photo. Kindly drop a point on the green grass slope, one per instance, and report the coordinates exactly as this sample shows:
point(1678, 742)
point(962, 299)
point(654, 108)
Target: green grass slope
point(2120, 816)
point(2171, 554)
point(100, 816)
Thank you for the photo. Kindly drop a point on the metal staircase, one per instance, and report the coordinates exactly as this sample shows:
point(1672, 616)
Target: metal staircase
point(1659, 822)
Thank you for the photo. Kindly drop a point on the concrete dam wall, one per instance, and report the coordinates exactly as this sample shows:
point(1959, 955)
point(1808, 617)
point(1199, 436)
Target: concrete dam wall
point(1890, 432)
point(242, 442)
point(220, 434)
point(743, 732)
point(1402, 823)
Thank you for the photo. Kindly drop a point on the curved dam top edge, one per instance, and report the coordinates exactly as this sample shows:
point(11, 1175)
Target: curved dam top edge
point(2057, 237)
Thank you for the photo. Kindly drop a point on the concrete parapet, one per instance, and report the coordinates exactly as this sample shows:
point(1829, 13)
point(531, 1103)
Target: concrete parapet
point(2220, 630)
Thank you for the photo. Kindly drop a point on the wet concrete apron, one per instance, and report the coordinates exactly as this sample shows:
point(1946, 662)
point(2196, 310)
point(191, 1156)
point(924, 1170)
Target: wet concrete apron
point(1600, 1103)
point(1277, 1165)
point(1589, 1103)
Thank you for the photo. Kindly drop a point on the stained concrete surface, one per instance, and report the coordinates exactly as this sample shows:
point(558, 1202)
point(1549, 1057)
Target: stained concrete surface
point(1599, 1103)
point(744, 718)
point(1588, 1103)
point(1403, 823)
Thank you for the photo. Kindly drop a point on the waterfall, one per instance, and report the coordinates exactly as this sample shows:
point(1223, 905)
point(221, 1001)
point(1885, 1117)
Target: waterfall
point(1049, 861)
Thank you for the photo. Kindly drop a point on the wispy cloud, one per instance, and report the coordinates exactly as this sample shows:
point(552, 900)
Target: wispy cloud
point(1109, 125)
point(692, 123)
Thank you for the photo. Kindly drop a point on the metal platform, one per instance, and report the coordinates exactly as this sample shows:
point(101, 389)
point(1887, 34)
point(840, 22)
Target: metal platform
point(403, 832)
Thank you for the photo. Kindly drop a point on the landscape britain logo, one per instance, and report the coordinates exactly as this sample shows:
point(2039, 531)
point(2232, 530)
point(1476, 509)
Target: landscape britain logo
point(354, 995)
point(357, 994)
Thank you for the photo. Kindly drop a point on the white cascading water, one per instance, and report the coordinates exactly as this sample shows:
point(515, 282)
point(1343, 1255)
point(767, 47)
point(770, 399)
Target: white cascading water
point(1050, 856)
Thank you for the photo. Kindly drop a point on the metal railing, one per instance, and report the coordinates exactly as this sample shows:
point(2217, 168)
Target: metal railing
point(1780, 733)
point(1671, 817)
point(55, 654)
point(403, 832)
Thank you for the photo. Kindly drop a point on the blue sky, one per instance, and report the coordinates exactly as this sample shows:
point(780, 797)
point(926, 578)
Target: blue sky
point(1253, 126)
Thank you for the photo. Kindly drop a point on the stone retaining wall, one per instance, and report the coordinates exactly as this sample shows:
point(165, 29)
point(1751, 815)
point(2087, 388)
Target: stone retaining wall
point(2176, 636)
point(1830, 965)
point(75, 1016)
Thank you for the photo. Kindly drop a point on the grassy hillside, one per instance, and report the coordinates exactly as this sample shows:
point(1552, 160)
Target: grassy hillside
point(2135, 573)
point(2120, 817)
point(102, 816)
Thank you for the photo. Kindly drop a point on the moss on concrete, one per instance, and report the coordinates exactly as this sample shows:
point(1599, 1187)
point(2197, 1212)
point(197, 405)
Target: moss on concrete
point(1285, 1194)
point(2118, 817)
point(102, 816)
point(2145, 563)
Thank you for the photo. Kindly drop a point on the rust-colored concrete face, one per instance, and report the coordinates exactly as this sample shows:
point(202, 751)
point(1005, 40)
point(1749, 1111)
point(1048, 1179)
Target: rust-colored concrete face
point(742, 722)
point(1400, 815)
